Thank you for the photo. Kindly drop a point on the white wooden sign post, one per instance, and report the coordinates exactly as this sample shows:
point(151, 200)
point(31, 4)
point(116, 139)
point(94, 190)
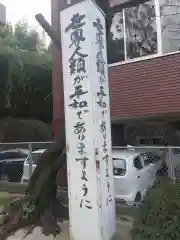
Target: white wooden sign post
point(87, 114)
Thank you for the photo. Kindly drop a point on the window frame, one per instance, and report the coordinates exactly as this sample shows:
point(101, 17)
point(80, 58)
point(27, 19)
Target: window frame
point(176, 151)
point(139, 138)
point(147, 161)
point(114, 159)
point(11, 155)
point(142, 163)
point(154, 156)
point(159, 41)
point(37, 155)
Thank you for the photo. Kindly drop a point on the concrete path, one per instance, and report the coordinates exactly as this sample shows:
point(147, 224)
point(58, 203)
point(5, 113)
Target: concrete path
point(37, 235)
point(124, 226)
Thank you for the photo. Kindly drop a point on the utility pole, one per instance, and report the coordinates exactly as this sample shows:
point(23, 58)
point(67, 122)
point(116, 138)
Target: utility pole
point(57, 78)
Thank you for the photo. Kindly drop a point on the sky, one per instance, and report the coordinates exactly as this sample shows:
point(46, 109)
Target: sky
point(26, 9)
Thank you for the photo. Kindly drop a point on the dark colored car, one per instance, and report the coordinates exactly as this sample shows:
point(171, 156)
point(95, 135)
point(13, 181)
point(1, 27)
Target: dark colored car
point(11, 164)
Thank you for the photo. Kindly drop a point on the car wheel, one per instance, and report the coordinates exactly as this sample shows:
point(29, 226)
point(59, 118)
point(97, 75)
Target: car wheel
point(162, 171)
point(137, 199)
point(157, 178)
point(4, 178)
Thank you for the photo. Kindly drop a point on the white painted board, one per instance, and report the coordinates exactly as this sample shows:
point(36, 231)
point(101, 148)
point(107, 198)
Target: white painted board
point(91, 202)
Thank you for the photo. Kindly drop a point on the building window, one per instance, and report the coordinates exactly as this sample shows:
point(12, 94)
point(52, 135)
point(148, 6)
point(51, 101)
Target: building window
point(151, 27)
point(116, 39)
point(149, 140)
point(141, 33)
point(170, 25)
point(134, 31)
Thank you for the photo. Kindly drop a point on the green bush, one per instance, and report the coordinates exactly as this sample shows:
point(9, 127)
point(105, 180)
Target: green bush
point(159, 216)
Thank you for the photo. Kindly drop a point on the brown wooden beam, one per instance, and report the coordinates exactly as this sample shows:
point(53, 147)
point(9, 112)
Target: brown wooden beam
point(57, 76)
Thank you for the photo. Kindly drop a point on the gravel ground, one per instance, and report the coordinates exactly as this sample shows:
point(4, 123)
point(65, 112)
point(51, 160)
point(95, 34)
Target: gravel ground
point(37, 235)
point(124, 226)
point(123, 232)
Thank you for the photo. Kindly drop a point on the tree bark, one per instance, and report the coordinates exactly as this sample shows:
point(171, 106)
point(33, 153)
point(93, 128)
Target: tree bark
point(40, 195)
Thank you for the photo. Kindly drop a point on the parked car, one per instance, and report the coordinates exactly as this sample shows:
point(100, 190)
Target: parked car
point(11, 164)
point(134, 173)
point(175, 161)
point(35, 157)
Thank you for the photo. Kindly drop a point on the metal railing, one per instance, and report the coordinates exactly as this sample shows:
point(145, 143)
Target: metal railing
point(17, 160)
point(15, 171)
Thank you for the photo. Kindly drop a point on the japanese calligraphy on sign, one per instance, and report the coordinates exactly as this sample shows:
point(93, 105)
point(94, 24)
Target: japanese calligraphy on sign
point(102, 100)
point(87, 133)
point(77, 99)
point(77, 61)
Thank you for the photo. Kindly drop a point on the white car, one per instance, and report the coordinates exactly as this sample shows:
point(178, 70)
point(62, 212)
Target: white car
point(35, 157)
point(134, 173)
point(175, 162)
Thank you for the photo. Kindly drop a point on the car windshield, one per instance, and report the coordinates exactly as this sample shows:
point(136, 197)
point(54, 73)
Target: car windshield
point(119, 166)
point(11, 155)
point(35, 157)
point(150, 157)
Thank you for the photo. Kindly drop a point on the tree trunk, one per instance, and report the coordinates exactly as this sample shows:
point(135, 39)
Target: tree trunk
point(40, 195)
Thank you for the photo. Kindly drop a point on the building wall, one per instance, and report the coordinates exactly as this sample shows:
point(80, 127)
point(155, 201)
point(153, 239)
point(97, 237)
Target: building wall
point(144, 88)
point(157, 133)
point(137, 89)
point(147, 87)
point(117, 133)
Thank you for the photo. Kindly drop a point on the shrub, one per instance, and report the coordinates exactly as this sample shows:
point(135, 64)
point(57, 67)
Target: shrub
point(159, 216)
